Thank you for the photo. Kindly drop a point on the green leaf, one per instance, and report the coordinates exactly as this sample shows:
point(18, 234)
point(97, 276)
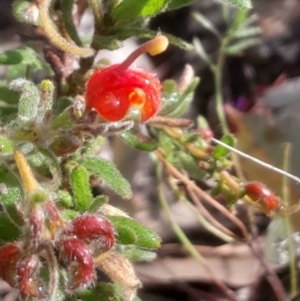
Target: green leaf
point(46, 89)
point(241, 17)
point(176, 4)
point(11, 194)
point(206, 24)
point(110, 43)
point(25, 12)
point(179, 42)
point(185, 99)
point(130, 9)
point(98, 202)
point(220, 151)
point(11, 57)
point(242, 4)
point(170, 96)
point(202, 122)
point(109, 174)
point(65, 198)
point(167, 144)
point(16, 71)
point(64, 120)
point(131, 232)
point(126, 235)
point(7, 114)
point(29, 61)
point(138, 141)
point(136, 254)
point(199, 49)
point(80, 183)
point(241, 45)
point(67, 12)
point(190, 164)
point(103, 292)
point(69, 214)
point(8, 95)
point(29, 100)
point(245, 32)
point(39, 162)
point(6, 148)
point(8, 231)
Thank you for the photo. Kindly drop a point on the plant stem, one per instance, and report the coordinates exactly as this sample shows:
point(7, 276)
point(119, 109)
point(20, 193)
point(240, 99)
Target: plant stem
point(290, 240)
point(219, 95)
point(54, 35)
point(184, 239)
point(95, 5)
point(270, 274)
point(202, 220)
point(53, 270)
point(202, 194)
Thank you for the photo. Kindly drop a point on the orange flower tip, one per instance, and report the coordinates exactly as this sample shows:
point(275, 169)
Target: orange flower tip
point(158, 45)
point(155, 46)
point(137, 98)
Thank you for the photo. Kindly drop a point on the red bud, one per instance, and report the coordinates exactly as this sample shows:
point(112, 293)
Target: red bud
point(259, 192)
point(91, 228)
point(81, 270)
point(9, 256)
point(29, 285)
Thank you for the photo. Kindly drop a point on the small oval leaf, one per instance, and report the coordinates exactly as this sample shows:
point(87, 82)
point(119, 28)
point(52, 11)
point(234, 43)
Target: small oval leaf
point(109, 174)
point(81, 188)
point(138, 141)
point(11, 194)
point(220, 151)
point(8, 231)
point(130, 9)
point(132, 232)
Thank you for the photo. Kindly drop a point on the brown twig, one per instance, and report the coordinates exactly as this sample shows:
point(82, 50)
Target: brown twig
point(270, 273)
point(208, 216)
point(52, 33)
point(203, 194)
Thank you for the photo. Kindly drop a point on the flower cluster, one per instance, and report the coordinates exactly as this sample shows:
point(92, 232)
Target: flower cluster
point(77, 243)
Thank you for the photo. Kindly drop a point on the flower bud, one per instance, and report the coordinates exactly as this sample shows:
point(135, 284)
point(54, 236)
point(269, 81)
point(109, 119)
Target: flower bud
point(81, 270)
point(92, 228)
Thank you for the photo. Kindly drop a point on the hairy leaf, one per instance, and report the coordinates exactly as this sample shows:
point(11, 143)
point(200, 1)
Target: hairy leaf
point(8, 231)
point(136, 254)
point(6, 148)
point(129, 9)
point(137, 141)
point(242, 4)
point(79, 179)
point(220, 151)
point(11, 192)
point(29, 100)
point(185, 99)
point(176, 4)
point(109, 174)
point(131, 232)
point(11, 57)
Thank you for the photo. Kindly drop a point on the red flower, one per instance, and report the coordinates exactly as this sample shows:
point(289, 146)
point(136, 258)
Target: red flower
point(259, 192)
point(113, 90)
